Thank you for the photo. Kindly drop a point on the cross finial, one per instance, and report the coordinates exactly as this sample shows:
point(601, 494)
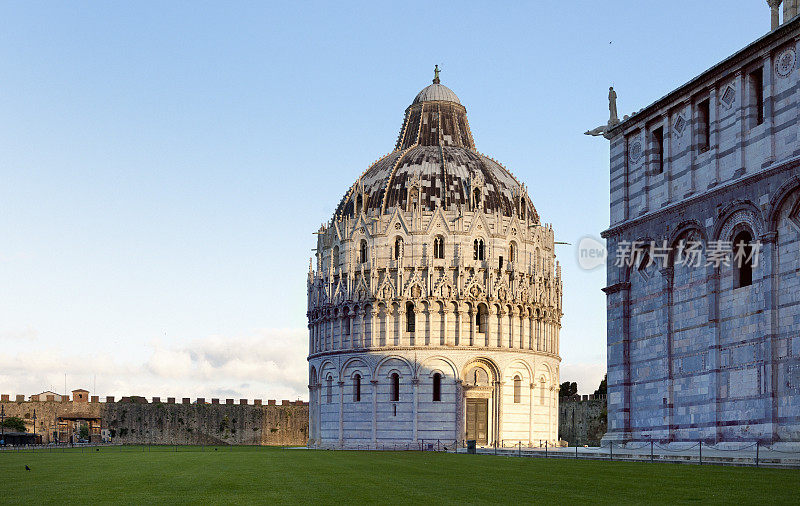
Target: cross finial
point(436, 74)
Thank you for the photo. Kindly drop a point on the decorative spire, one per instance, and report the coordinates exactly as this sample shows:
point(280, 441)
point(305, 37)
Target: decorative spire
point(436, 74)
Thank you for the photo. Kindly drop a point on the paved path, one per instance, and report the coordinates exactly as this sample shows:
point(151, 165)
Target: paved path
point(675, 452)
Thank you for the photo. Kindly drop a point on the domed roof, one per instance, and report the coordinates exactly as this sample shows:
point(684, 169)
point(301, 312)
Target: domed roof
point(436, 91)
point(435, 164)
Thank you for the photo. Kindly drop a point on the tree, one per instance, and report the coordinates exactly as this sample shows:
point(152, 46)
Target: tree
point(84, 431)
point(603, 388)
point(14, 423)
point(568, 389)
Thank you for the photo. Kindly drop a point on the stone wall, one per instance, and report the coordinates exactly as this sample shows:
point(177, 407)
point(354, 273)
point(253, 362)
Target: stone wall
point(136, 421)
point(582, 422)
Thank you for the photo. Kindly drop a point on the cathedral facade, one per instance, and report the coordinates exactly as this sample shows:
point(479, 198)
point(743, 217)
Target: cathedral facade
point(434, 300)
point(703, 286)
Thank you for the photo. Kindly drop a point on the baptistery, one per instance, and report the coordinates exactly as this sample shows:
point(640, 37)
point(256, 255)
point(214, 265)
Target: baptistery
point(434, 298)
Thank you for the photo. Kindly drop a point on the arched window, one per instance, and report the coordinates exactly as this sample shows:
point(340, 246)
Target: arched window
point(541, 392)
point(335, 256)
point(411, 318)
point(363, 251)
point(398, 248)
point(438, 247)
point(481, 320)
point(357, 388)
point(522, 209)
point(743, 259)
point(476, 198)
point(517, 389)
point(512, 254)
point(359, 202)
point(329, 390)
point(395, 392)
point(437, 387)
point(478, 249)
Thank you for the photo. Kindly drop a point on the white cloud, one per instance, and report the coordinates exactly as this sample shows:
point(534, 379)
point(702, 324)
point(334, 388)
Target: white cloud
point(587, 375)
point(269, 364)
point(26, 334)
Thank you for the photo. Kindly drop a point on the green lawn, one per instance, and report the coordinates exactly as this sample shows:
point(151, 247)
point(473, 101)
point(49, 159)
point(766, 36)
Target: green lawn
point(269, 475)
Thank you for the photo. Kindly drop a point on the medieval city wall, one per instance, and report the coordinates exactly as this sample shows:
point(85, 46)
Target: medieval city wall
point(137, 421)
point(582, 421)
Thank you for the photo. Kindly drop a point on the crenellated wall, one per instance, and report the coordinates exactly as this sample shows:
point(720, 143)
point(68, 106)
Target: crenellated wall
point(582, 421)
point(133, 420)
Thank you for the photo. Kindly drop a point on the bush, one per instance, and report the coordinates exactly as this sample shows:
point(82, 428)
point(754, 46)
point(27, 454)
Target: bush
point(14, 423)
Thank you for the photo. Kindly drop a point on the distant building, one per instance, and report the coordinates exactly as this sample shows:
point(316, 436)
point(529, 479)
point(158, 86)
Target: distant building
point(434, 309)
point(47, 396)
point(80, 395)
point(708, 346)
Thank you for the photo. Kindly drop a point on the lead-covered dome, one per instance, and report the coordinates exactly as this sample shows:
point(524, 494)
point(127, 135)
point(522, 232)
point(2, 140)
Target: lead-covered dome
point(435, 163)
point(436, 92)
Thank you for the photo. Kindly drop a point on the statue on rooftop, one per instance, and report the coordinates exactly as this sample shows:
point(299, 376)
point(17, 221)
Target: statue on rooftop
point(612, 106)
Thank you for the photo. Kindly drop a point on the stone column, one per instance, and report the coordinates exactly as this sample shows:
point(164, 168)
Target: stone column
point(428, 333)
point(769, 264)
point(459, 316)
point(668, 277)
point(546, 332)
point(460, 411)
point(531, 420)
point(557, 347)
point(312, 424)
point(340, 345)
point(400, 327)
point(415, 388)
point(498, 435)
point(788, 10)
point(374, 383)
point(769, 108)
point(775, 17)
point(713, 289)
point(713, 148)
point(512, 330)
point(388, 326)
point(448, 339)
point(326, 324)
point(500, 317)
point(341, 413)
point(693, 147)
point(373, 324)
point(667, 154)
point(796, 104)
point(362, 313)
point(646, 168)
point(472, 337)
point(553, 411)
point(485, 341)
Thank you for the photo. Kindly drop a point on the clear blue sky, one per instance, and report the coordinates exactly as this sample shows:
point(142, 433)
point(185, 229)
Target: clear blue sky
point(164, 164)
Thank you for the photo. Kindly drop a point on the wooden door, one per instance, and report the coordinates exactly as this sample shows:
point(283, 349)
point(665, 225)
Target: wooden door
point(478, 420)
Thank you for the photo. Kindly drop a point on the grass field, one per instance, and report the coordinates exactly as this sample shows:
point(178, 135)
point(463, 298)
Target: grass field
point(269, 475)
